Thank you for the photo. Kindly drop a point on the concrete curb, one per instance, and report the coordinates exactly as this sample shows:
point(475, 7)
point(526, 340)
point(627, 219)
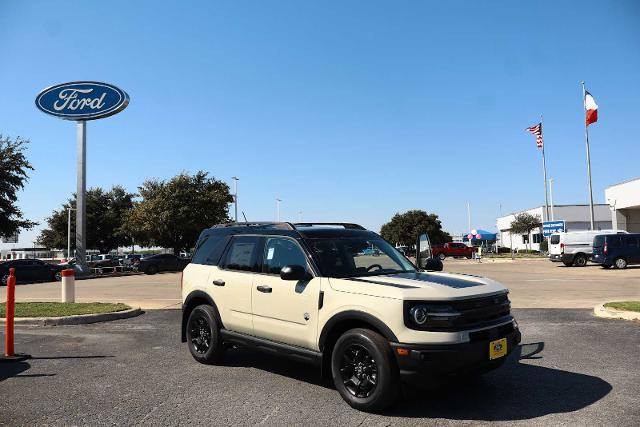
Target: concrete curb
point(76, 320)
point(612, 313)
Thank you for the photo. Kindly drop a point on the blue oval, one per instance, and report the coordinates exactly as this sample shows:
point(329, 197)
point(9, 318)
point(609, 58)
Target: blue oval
point(82, 100)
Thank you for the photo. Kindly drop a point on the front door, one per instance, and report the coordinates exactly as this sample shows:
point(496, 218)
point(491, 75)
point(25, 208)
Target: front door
point(285, 310)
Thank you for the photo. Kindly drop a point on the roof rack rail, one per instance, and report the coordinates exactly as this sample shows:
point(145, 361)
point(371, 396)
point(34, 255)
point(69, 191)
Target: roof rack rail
point(263, 224)
point(346, 225)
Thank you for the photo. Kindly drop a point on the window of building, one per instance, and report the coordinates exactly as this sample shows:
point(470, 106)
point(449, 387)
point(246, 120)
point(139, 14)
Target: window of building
point(537, 238)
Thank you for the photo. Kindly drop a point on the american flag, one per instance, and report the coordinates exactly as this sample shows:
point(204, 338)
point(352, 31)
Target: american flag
point(537, 131)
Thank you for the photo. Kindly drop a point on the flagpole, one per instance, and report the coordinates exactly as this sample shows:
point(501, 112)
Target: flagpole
point(544, 169)
point(586, 137)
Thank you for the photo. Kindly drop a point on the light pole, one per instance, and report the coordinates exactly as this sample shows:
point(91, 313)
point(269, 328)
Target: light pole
point(69, 232)
point(235, 195)
point(551, 196)
point(278, 208)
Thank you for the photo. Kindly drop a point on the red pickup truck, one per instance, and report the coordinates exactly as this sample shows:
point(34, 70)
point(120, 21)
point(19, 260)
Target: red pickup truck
point(453, 250)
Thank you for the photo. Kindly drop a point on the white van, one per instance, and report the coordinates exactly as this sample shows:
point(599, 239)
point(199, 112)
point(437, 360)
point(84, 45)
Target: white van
point(575, 247)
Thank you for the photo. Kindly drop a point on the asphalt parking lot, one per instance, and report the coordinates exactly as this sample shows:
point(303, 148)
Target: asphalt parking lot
point(136, 371)
point(533, 284)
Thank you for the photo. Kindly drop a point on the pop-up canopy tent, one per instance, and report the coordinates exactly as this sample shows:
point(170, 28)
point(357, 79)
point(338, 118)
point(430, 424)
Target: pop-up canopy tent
point(480, 236)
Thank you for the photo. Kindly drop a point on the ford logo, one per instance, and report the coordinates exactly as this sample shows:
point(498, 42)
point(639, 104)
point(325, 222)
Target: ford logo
point(82, 100)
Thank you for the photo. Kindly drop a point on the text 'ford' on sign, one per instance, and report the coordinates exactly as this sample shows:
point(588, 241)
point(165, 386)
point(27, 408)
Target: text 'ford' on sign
point(82, 100)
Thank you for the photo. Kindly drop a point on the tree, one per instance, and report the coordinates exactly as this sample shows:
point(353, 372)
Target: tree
point(404, 229)
point(106, 212)
point(524, 223)
point(13, 175)
point(173, 213)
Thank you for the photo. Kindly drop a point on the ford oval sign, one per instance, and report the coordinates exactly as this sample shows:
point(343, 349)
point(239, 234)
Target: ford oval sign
point(82, 100)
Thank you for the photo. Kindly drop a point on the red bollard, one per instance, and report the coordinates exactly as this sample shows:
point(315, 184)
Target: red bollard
point(11, 307)
point(9, 354)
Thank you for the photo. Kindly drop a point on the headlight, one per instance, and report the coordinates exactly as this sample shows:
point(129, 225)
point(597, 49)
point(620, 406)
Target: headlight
point(432, 315)
point(419, 315)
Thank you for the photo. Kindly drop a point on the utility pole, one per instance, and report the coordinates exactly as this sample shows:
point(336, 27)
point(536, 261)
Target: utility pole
point(235, 195)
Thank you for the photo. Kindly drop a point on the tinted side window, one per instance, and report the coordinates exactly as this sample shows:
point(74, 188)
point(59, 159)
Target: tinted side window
point(630, 240)
point(243, 254)
point(279, 252)
point(614, 241)
point(209, 249)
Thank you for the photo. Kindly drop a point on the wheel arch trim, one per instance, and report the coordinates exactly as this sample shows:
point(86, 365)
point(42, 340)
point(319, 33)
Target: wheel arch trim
point(190, 302)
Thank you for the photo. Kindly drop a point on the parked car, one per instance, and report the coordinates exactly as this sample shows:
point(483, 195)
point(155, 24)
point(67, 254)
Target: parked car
point(30, 270)
point(302, 291)
point(574, 248)
point(162, 262)
point(453, 250)
point(616, 250)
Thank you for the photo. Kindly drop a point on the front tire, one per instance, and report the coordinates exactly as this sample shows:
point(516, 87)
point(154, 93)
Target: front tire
point(620, 263)
point(203, 335)
point(57, 276)
point(4, 280)
point(364, 370)
point(442, 257)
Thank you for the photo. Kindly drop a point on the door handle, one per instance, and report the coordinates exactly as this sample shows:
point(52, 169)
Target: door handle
point(264, 289)
point(218, 282)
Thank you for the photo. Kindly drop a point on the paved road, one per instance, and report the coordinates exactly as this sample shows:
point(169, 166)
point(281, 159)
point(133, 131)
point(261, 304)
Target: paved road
point(533, 284)
point(545, 284)
point(135, 371)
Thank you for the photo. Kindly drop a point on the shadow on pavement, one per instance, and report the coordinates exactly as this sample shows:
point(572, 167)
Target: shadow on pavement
point(15, 369)
point(516, 391)
point(12, 369)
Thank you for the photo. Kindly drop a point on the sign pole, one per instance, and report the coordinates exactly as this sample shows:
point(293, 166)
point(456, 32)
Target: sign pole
point(81, 201)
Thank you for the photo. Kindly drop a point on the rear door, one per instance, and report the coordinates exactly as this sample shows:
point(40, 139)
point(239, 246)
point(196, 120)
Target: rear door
point(230, 283)
point(285, 310)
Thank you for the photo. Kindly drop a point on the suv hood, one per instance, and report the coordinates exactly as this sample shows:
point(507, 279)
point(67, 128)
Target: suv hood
point(423, 285)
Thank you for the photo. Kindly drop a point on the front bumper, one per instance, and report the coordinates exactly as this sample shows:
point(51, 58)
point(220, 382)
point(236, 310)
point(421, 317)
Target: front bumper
point(555, 257)
point(425, 361)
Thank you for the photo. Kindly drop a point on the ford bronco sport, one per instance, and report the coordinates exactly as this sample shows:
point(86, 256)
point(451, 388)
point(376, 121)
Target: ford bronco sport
point(315, 292)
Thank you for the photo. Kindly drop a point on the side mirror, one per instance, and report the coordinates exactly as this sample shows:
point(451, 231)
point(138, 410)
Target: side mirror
point(293, 272)
point(433, 264)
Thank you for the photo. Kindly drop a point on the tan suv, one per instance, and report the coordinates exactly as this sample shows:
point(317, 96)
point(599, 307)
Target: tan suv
point(340, 296)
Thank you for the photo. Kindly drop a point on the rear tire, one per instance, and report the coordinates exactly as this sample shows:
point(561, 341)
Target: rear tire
point(152, 269)
point(4, 280)
point(364, 370)
point(580, 260)
point(620, 263)
point(203, 335)
point(57, 276)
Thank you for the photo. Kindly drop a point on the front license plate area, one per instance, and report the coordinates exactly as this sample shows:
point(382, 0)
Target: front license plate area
point(497, 348)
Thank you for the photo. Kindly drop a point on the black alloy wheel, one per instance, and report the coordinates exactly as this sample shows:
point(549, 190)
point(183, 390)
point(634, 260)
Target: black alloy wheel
point(364, 370)
point(359, 371)
point(57, 276)
point(203, 335)
point(4, 280)
point(200, 333)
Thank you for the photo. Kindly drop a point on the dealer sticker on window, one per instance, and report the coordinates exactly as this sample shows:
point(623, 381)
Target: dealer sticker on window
point(497, 348)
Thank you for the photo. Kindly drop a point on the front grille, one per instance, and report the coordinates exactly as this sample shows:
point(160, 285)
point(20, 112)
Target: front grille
point(469, 313)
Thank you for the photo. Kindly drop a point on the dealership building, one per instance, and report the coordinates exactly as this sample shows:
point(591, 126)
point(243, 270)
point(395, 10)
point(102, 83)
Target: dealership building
point(621, 212)
point(624, 202)
point(576, 218)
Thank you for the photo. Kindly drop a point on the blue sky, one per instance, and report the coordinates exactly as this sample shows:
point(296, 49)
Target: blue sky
point(346, 110)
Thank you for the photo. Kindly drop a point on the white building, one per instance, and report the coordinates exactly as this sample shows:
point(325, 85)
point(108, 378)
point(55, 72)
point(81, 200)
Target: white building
point(624, 202)
point(576, 218)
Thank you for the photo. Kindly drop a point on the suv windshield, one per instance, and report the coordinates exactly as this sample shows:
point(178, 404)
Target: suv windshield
point(353, 257)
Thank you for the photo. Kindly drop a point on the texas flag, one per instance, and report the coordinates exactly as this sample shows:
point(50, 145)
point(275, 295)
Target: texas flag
point(591, 108)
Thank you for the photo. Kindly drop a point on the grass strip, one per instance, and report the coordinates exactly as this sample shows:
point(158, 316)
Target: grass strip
point(62, 309)
point(624, 305)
